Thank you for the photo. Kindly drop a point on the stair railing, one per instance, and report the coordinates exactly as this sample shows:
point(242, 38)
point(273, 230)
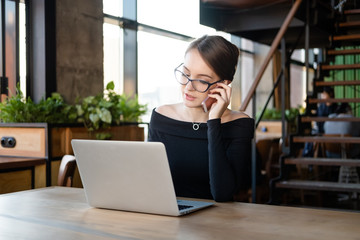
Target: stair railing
point(277, 82)
point(273, 47)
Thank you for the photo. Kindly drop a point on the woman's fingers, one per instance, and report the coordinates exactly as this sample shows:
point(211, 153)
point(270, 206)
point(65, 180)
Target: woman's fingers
point(222, 94)
point(222, 90)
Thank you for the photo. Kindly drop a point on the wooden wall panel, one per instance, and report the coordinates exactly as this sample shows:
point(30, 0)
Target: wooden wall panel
point(15, 181)
point(30, 142)
point(61, 137)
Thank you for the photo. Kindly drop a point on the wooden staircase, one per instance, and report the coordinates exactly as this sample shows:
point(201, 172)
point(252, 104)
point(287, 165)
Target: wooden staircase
point(345, 43)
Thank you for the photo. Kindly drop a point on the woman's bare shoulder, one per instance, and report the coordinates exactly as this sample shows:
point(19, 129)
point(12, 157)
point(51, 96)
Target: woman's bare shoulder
point(233, 115)
point(169, 110)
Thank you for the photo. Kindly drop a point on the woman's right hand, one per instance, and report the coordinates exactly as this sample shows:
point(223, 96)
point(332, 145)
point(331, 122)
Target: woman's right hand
point(222, 94)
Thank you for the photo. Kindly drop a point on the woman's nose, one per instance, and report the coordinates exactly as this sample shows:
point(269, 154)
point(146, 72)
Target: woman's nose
point(189, 86)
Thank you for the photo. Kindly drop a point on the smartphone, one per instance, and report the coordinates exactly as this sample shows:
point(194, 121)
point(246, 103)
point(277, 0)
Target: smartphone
point(208, 101)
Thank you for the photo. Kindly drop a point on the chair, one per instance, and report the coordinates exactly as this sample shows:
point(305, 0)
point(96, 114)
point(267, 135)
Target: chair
point(269, 150)
point(343, 150)
point(66, 171)
point(268, 153)
point(347, 174)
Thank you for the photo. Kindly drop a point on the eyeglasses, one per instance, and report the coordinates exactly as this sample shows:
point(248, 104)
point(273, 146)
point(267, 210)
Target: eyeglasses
point(198, 84)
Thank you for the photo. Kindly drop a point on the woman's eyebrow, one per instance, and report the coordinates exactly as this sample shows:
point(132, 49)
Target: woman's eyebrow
point(205, 75)
point(200, 75)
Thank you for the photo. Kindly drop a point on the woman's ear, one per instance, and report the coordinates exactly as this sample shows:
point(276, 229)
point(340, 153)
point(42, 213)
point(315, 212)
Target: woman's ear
point(227, 82)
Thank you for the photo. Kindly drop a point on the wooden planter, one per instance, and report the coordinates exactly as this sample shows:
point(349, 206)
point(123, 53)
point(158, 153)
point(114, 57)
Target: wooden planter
point(47, 143)
point(273, 129)
point(269, 129)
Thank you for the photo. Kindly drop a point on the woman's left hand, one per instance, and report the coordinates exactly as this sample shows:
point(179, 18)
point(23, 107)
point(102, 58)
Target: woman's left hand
point(222, 94)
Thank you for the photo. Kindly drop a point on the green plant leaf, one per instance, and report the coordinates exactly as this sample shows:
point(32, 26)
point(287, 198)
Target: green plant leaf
point(105, 115)
point(94, 118)
point(100, 111)
point(110, 86)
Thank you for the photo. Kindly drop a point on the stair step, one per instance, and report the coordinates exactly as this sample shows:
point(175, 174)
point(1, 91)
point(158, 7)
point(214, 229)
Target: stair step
point(338, 83)
point(324, 161)
point(334, 100)
point(343, 52)
point(350, 24)
point(352, 11)
point(345, 37)
point(325, 139)
point(319, 185)
point(340, 67)
point(332, 119)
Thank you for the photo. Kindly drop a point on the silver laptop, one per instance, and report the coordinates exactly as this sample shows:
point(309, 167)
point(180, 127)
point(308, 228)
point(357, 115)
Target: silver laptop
point(129, 176)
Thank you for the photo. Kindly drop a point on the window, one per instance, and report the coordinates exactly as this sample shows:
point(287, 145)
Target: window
point(180, 16)
point(22, 48)
point(113, 55)
point(298, 78)
point(113, 7)
point(12, 47)
point(158, 56)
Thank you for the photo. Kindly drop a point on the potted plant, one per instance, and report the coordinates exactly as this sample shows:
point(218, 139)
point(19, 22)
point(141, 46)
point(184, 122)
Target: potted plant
point(54, 123)
point(95, 112)
point(272, 119)
point(98, 113)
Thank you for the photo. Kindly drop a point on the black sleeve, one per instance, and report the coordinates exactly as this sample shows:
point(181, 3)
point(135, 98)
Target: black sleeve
point(153, 135)
point(229, 165)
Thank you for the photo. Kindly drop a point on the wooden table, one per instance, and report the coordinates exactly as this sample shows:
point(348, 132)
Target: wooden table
point(62, 213)
point(21, 173)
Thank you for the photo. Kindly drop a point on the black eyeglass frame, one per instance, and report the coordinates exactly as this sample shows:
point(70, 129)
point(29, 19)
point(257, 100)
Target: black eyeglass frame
point(192, 80)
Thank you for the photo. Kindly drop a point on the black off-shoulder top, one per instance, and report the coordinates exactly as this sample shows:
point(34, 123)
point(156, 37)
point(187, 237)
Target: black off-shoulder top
point(213, 162)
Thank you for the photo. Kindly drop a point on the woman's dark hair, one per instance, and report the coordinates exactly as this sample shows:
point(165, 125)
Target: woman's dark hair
point(220, 54)
point(343, 108)
point(329, 90)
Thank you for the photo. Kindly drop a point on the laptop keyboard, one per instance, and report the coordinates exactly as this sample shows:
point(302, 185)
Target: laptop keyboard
point(182, 207)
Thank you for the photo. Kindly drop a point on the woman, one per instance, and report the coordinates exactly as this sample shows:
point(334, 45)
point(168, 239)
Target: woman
point(325, 109)
point(209, 152)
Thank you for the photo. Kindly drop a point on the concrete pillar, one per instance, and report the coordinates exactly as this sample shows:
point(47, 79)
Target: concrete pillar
point(79, 48)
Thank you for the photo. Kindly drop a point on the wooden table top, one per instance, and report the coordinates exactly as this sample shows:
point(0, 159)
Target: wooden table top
point(7, 162)
point(62, 213)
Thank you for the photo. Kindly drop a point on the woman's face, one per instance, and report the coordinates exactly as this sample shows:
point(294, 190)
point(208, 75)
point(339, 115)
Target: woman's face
point(196, 68)
point(325, 95)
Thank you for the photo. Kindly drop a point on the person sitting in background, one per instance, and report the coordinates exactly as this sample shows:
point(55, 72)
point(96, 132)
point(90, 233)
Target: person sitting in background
point(325, 109)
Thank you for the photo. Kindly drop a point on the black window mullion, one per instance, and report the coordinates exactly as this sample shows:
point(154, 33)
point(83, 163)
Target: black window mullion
point(2, 5)
point(17, 43)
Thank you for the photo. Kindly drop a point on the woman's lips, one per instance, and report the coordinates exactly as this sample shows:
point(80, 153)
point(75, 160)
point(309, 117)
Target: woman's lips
point(189, 97)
